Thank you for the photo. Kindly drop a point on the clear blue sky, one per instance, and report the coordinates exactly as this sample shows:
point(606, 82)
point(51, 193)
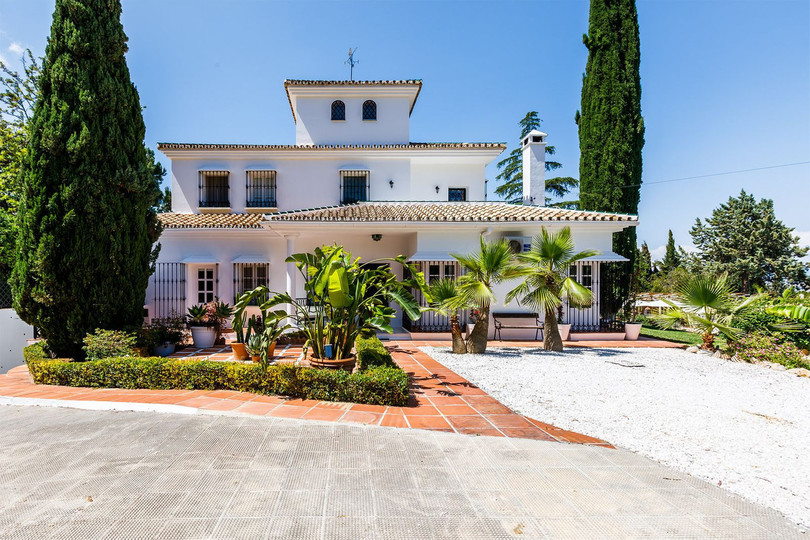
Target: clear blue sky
point(726, 83)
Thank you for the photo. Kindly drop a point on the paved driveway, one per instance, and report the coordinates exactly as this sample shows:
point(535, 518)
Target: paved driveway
point(67, 473)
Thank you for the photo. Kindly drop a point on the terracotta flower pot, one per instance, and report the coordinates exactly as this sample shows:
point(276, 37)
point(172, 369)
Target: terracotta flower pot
point(256, 358)
point(271, 350)
point(239, 352)
point(565, 331)
point(346, 364)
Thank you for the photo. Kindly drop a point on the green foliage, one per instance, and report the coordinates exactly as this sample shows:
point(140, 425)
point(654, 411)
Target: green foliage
point(86, 215)
point(108, 343)
point(678, 336)
point(346, 297)
point(672, 259)
point(546, 282)
point(372, 353)
point(18, 94)
point(667, 282)
point(152, 335)
point(644, 268)
point(375, 385)
point(764, 347)
point(511, 168)
point(611, 132)
point(744, 239)
point(707, 305)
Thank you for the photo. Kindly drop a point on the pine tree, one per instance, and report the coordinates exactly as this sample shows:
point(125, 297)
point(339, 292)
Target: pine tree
point(511, 168)
point(744, 239)
point(611, 130)
point(672, 259)
point(86, 219)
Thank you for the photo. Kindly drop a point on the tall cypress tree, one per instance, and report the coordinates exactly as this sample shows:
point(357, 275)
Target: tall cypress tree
point(86, 218)
point(611, 129)
point(671, 258)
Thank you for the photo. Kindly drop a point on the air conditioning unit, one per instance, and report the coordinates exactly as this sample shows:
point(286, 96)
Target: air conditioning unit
point(519, 244)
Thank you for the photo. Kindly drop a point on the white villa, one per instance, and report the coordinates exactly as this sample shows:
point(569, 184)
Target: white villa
point(353, 177)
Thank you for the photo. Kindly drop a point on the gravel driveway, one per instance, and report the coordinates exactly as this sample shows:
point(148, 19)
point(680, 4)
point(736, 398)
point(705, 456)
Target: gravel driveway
point(738, 425)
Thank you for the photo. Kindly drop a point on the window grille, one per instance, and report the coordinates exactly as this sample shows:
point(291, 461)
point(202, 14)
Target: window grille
point(430, 321)
point(457, 194)
point(369, 110)
point(169, 286)
point(261, 189)
point(338, 110)
point(206, 284)
point(586, 280)
point(354, 186)
point(585, 318)
point(248, 276)
point(214, 188)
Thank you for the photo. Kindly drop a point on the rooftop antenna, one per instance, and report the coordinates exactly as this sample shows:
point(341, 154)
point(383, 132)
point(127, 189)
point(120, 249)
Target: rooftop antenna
point(351, 62)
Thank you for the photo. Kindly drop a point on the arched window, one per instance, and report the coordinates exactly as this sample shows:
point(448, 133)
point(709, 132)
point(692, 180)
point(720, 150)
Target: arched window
point(338, 110)
point(369, 110)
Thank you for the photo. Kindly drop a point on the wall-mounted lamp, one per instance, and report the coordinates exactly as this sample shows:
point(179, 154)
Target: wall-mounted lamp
point(376, 237)
point(391, 183)
point(437, 189)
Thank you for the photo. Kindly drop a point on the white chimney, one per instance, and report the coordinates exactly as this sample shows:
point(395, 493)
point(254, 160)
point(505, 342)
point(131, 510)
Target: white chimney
point(534, 168)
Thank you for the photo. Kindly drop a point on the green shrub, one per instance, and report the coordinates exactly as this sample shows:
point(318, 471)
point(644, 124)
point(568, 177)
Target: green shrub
point(374, 386)
point(108, 343)
point(372, 353)
point(764, 347)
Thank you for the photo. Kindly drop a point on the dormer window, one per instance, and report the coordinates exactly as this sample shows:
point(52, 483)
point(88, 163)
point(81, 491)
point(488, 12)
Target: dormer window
point(338, 110)
point(369, 110)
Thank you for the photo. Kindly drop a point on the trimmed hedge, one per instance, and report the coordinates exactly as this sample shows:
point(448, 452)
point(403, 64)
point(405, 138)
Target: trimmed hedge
point(376, 385)
point(372, 353)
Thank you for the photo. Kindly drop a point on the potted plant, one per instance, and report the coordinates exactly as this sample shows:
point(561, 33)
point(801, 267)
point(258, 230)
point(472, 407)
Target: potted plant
point(632, 329)
point(205, 322)
point(563, 327)
point(238, 325)
point(255, 346)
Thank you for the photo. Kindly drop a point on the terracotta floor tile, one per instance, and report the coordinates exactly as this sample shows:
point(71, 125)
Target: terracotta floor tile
point(394, 420)
point(509, 421)
point(258, 408)
point(268, 399)
point(427, 422)
point(368, 408)
point(331, 415)
point(360, 417)
point(492, 408)
point(447, 400)
point(476, 421)
point(289, 411)
point(422, 410)
point(198, 401)
point(527, 433)
point(302, 402)
point(222, 405)
point(459, 410)
point(488, 432)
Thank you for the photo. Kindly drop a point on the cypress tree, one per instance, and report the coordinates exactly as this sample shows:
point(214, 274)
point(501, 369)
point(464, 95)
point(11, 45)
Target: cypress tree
point(671, 258)
point(611, 130)
point(86, 219)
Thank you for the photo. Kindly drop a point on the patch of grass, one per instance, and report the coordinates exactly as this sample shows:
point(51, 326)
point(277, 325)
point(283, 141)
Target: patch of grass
point(678, 336)
point(681, 336)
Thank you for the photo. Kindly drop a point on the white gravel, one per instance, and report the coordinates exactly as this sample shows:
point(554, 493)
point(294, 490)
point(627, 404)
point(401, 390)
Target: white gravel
point(742, 426)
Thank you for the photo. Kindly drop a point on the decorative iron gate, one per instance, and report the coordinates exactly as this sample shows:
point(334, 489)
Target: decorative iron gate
point(169, 285)
point(585, 319)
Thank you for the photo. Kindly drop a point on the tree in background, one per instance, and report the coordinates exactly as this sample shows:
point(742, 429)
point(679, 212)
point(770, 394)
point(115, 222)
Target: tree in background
point(18, 94)
point(644, 268)
point(86, 214)
point(511, 170)
point(611, 130)
point(744, 239)
point(672, 259)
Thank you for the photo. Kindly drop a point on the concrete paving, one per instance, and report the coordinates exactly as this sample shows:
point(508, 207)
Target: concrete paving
point(67, 473)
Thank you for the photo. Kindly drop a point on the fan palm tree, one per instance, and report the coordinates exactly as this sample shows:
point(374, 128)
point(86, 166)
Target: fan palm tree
point(706, 304)
point(546, 283)
point(485, 268)
point(447, 301)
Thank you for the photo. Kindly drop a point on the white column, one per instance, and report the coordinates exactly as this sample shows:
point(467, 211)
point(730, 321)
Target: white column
point(291, 272)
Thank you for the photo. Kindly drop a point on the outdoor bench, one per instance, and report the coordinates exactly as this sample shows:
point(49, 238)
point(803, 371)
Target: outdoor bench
point(512, 320)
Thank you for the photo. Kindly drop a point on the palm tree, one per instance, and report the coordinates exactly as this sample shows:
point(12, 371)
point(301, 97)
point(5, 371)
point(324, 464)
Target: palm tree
point(447, 301)
point(706, 304)
point(485, 268)
point(546, 282)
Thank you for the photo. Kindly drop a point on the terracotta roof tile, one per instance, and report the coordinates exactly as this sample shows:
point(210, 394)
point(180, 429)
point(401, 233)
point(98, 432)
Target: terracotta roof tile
point(493, 212)
point(173, 220)
point(410, 146)
point(310, 82)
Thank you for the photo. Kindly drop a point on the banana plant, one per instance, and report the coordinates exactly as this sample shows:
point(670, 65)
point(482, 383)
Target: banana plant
point(345, 297)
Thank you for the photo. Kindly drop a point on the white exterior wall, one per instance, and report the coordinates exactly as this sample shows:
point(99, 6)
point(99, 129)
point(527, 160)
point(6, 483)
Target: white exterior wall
point(314, 124)
point(428, 173)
